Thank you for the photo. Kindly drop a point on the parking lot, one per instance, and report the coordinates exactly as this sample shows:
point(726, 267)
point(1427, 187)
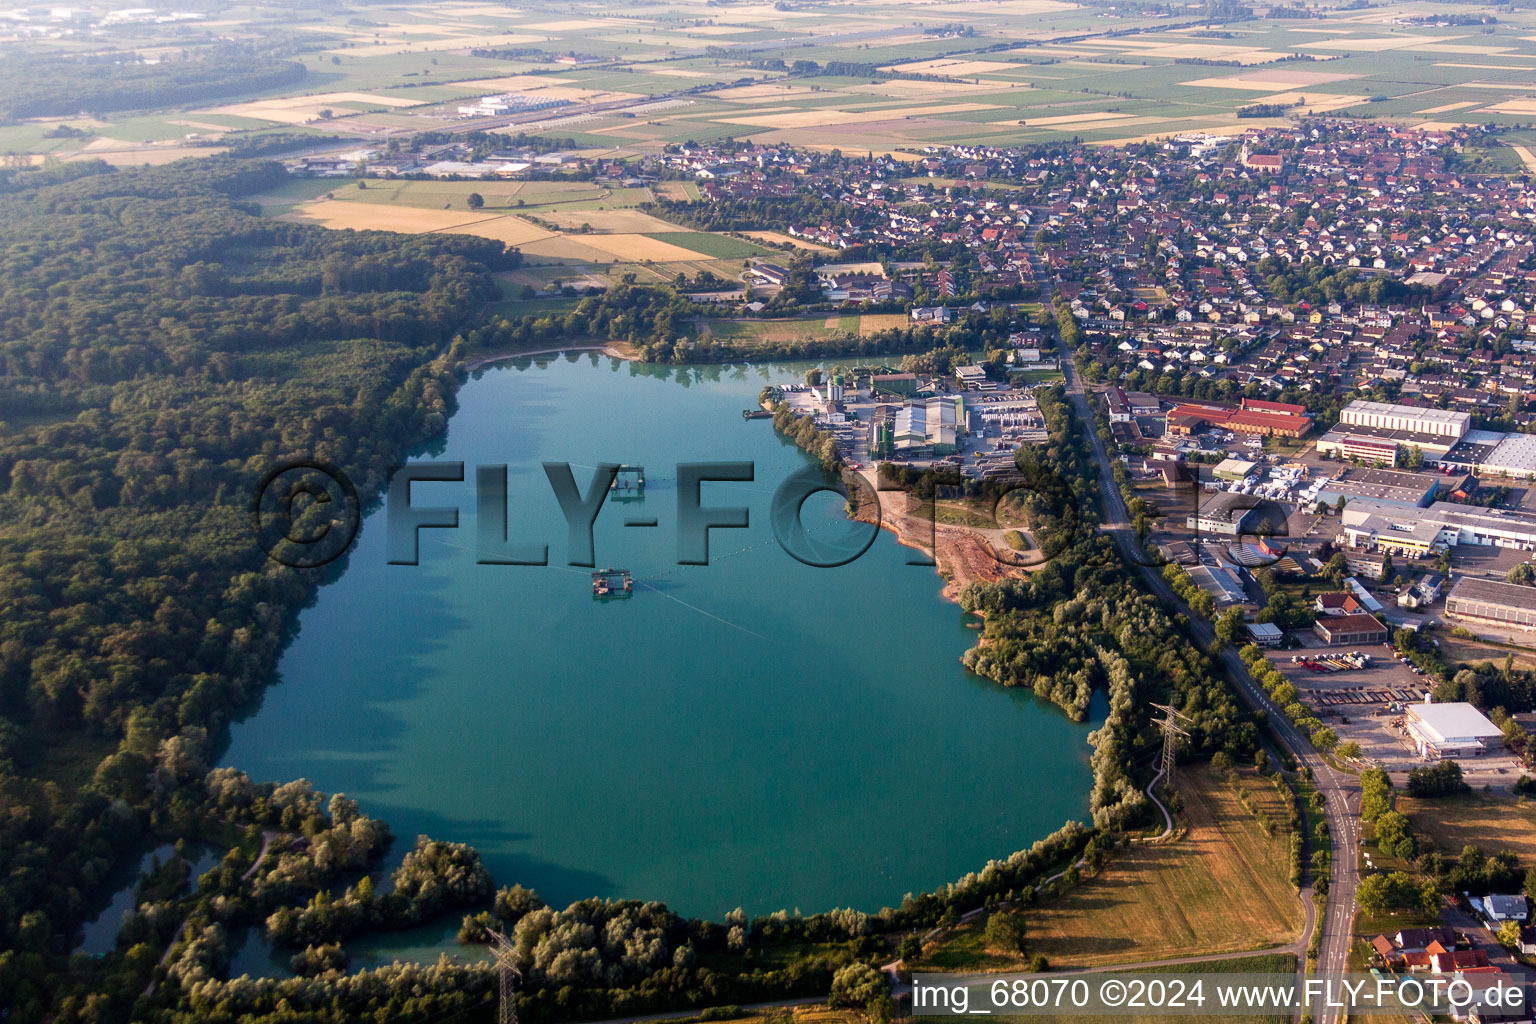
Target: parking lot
point(1366, 705)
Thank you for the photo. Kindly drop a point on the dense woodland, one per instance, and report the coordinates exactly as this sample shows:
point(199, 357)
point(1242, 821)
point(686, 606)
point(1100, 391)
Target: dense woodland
point(48, 86)
point(161, 346)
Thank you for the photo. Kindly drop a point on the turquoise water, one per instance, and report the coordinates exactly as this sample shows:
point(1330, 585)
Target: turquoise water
point(754, 732)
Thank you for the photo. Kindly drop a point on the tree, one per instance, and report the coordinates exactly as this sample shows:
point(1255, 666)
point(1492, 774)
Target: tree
point(1395, 892)
point(1349, 750)
point(1228, 627)
point(1509, 934)
point(856, 984)
point(1375, 794)
point(1005, 932)
point(475, 200)
point(1522, 574)
point(1337, 568)
point(1395, 835)
point(1386, 568)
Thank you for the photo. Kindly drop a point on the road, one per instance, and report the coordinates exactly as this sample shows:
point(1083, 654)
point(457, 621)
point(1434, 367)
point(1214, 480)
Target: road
point(1340, 791)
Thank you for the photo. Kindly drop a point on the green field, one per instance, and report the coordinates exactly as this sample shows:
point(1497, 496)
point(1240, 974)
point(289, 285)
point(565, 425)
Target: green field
point(718, 246)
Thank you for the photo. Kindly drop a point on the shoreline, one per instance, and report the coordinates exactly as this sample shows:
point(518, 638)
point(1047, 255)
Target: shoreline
point(961, 555)
point(607, 349)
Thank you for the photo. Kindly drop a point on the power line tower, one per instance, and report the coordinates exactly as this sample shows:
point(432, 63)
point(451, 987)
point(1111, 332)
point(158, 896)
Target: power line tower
point(1169, 724)
point(506, 966)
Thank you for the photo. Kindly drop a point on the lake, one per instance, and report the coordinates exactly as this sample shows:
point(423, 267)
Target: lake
point(755, 732)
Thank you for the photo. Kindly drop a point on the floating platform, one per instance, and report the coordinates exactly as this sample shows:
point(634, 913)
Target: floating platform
point(612, 582)
point(756, 414)
point(629, 478)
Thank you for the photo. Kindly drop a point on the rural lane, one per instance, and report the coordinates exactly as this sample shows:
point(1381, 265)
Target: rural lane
point(1340, 791)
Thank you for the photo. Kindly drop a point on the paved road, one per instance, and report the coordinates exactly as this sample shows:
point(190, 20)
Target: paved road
point(1341, 791)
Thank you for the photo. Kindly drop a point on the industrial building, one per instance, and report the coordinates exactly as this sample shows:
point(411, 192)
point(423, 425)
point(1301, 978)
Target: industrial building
point(1220, 582)
point(1493, 453)
point(1411, 418)
point(1449, 730)
point(904, 384)
point(1227, 514)
point(1507, 605)
point(1385, 486)
point(1373, 431)
point(929, 427)
point(1515, 456)
point(1265, 634)
point(1350, 629)
point(1125, 406)
point(1277, 419)
point(1386, 527)
point(1234, 469)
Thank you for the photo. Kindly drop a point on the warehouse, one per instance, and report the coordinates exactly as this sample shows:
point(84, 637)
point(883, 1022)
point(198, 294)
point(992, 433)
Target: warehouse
point(1515, 456)
point(1350, 629)
point(1407, 418)
point(1252, 417)
point(1449, 730)
point(1371, 523)
point(927, 427)
point(1378, 447)
point(1493, 603)
point(1227, 514)
point(1387, 487)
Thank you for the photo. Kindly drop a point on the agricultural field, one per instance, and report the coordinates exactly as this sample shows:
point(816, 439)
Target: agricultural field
point(570, 232)
point(746, 333)
point(1221, 886)
point(1029, 70)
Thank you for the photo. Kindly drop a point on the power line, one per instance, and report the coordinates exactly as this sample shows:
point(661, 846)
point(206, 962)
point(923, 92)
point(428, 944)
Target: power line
point(1169, 724)
point(506, 968)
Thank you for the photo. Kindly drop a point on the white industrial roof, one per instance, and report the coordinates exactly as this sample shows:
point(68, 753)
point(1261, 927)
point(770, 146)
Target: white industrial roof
point(1457, 720)
point(1515, 454)
point(1391, 409)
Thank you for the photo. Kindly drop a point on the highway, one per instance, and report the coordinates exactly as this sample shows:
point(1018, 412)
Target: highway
point(1341, 791)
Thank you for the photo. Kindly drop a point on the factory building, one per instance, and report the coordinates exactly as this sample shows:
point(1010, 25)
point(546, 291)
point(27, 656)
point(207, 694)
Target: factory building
point(1227, 514)
point(1449, 730)
point(927, 427)
point(1383, 526)
point(1384, 486)
point(1507, 605)
point(1358, 628)
point(1278, 419)
point(1372, 432)
point(1410, 418)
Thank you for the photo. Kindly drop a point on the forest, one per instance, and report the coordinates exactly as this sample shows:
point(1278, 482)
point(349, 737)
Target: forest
point(48, 86)
point(161, 345)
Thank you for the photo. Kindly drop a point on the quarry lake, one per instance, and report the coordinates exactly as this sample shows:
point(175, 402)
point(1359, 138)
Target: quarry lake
point(755, 732)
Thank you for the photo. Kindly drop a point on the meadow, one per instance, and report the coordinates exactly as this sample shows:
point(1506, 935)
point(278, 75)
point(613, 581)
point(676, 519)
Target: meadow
point(1476, 819)
point(1221, 886)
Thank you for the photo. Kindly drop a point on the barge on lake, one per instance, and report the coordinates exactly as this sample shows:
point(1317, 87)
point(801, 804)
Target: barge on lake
point(612, 582)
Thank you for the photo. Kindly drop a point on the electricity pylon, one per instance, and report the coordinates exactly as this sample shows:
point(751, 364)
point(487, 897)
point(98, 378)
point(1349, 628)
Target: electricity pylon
point(506, 967)
point(1169, 724)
